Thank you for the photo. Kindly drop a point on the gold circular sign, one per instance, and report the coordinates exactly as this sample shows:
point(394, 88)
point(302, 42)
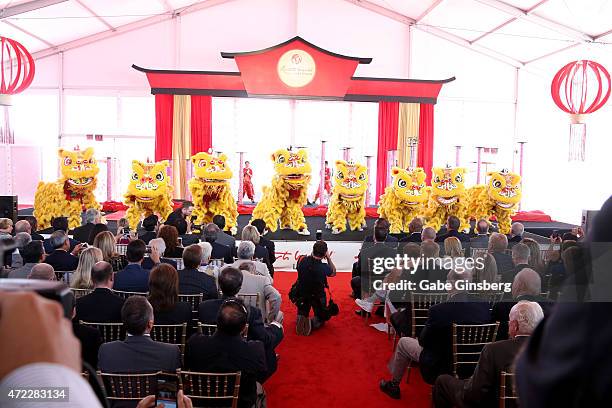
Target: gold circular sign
point(296, 68)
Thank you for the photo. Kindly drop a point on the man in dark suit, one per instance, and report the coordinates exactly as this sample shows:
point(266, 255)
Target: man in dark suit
point(89, 337)
point(92, 217)
point(527, 286)
point(33, 228)
point(138, 353)
point(186, 238)
point(516, 233)
point(520, 260)
point(158, 246)
point(433, 348)
point(133, 278)
point(382, 224)
point(59, 224)
point(226, 351)
point(183, 212)
point(60, 259)
point(150, 225)
point(481, 389)
point(101, 305)
point(414, 231)
point(219, 251)
point(230, 282)
point(223, 237)
point(498, 243)
point(482, 239)
point(452, 230)
point(191, 280)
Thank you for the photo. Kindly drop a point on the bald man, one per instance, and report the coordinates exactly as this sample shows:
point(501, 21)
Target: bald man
point(42, 271)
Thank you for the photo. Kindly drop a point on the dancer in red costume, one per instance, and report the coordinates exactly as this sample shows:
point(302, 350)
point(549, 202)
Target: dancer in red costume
point(327, 186)
point(247, 183)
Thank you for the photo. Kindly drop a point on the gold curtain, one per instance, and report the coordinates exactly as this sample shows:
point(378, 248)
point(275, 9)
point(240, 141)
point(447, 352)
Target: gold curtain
point(181, 143)
point(407, 129)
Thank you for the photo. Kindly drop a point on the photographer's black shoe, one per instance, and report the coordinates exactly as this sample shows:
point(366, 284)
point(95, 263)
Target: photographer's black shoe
point(391, 388)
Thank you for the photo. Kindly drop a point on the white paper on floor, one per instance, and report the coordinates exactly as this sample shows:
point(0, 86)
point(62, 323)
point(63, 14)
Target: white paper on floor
point(380, 326)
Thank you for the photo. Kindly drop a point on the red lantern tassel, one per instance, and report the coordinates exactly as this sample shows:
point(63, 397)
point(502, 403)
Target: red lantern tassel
point(577, 142)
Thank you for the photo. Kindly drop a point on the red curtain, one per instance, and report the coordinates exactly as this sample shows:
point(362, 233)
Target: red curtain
point(164, 109)
point(388, 120)
point(201, 123)
point(426, 138)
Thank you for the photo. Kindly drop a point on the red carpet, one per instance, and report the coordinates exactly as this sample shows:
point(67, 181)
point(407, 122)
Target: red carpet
point(339, 365)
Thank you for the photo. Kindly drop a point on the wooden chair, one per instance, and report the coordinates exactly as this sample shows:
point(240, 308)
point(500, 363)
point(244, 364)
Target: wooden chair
point(249, 299)
point(78, 293)
point(218, 262)
point(128, 387)
point(121, 249)
point(179, 263)
point(64, 276)
point(468, 342)
point(420, 303)
point(171, 334)
point(110, 331)
point(478, 252)
point(194, 301)
point(218, 389)
point(210, 329)
point(124, 295)
point(507, 391)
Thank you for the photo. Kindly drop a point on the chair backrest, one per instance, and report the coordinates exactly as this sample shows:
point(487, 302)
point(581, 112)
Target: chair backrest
point(210, 329)
point(476, 252)
point(109, 331)
point(124, 295)
point(218, 262)
point(171, 334)
point(80, 292)
point(420, 303)
point(221, 388)
point(179, 263)
point(468, 342)
point(128, 387)
point(64, 276)
point(121, 249)
point(249, 299)
point(490, 297)
point(193, 300)
point(507, 391)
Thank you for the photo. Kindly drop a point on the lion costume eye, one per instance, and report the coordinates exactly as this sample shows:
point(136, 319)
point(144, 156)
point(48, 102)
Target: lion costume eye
point(340, 175)
point(497, 184)
point(281, 159)
point(436, 179)
point(159, 177)
point(202, 163)
point(401, 183)
point(134, 176)
point(67, 161)
point(458, 178)
point(362, 176)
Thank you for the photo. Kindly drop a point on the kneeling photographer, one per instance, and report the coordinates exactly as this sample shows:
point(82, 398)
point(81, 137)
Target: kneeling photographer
point(309, 290)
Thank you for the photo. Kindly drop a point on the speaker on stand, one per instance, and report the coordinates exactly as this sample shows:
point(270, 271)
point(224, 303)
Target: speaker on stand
point(8, 207)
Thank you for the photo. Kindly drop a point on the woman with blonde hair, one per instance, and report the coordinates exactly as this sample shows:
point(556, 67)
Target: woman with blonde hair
point(488, 270)
point(250, 233)
point(105, 241)
point(81, 279)
point(452, 248)
point(535, 256)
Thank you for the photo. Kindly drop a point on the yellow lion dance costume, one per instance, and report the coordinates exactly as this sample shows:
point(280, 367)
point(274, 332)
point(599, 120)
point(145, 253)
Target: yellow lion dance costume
point(404, 199)
point(148, 192)
point(283, 201)
point(210, 190)
point(500, 197)
point(448, 197)
point(348, 197)
point(71, 193)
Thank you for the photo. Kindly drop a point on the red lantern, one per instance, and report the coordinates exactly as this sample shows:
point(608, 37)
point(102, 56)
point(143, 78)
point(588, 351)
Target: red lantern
point(580, 88)
point(17, 71)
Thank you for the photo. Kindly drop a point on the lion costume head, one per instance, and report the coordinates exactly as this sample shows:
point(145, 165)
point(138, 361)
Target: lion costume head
point(447, 184)
point(504, 188)
point(79, 168)
point(149, 181)
point(292, 167)
point(409, 185)
point(351, 180)
point(210, 169)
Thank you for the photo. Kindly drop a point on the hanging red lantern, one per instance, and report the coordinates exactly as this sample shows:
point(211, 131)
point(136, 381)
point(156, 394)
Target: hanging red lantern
point(17, 70)
point(579, 88)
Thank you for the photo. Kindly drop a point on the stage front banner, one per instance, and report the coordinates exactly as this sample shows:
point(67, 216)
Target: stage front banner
point(343, 254)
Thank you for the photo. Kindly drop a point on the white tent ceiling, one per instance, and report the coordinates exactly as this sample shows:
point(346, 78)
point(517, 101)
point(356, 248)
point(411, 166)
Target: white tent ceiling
point(516, 32)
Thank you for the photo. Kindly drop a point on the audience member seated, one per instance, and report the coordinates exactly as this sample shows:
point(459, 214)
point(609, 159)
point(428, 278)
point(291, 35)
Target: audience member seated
point(488, 271)
point(158, 247)
point(428, 234)
point(481, 240)
point(526, 286)
point(482, 389)
point(124, 235)
point(520, 259)
point(60, 258)
point(105, 241)
point(516, 233)
point(205, 265)
point(169, 234)
point(32, 254)
point(150, 225)
point(33, 228)
point(101, 305)
point(311, 284)
point(133, 278)
point(452, 230)
point(187, 238)
point(95, 231)
point(246, 253)
point(266, 243)
point(230, 282)
point(81, 278)
point(219, 251)
point(498, 243)
point(250, 233)
point(89, 337)
point(59, 224)
point(453, 249)
point(433, 348)
point(227, 352)
point(190, 280)
point(415, 229)
point(382, 223)
point(6, 228)
point(92, 217)
point(42, 271)
point(163, 296)
point(21, 240)
point(183, 212)
point(138, 353)
point(223, 237)
point(535, 256)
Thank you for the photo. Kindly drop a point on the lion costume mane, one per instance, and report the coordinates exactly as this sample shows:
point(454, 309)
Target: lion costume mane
point(71, 193)
point(148, 192)
point(284, 199)
point(210, 190)
point(348, 197)
point(404, 199)
point(499, 197)
point(448, 197)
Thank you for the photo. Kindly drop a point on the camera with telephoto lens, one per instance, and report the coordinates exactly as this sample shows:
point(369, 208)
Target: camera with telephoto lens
point(58, 291)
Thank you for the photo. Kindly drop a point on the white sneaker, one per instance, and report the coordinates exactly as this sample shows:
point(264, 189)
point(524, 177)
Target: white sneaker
point(365, 305)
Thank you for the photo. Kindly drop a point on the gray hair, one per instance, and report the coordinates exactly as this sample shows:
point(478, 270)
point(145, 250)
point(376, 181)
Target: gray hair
point(521, 252)
point(498, 242)
point(526, 282)
point(22, 239)
point(210, 232)
point(206, 251)
point(517, 229)
point(57, 239)
point(158, 243)
point(22, 226)
point(428, 233)
point(42, 271)
point(246, 250)
point(527, 314)
point(91, 214)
